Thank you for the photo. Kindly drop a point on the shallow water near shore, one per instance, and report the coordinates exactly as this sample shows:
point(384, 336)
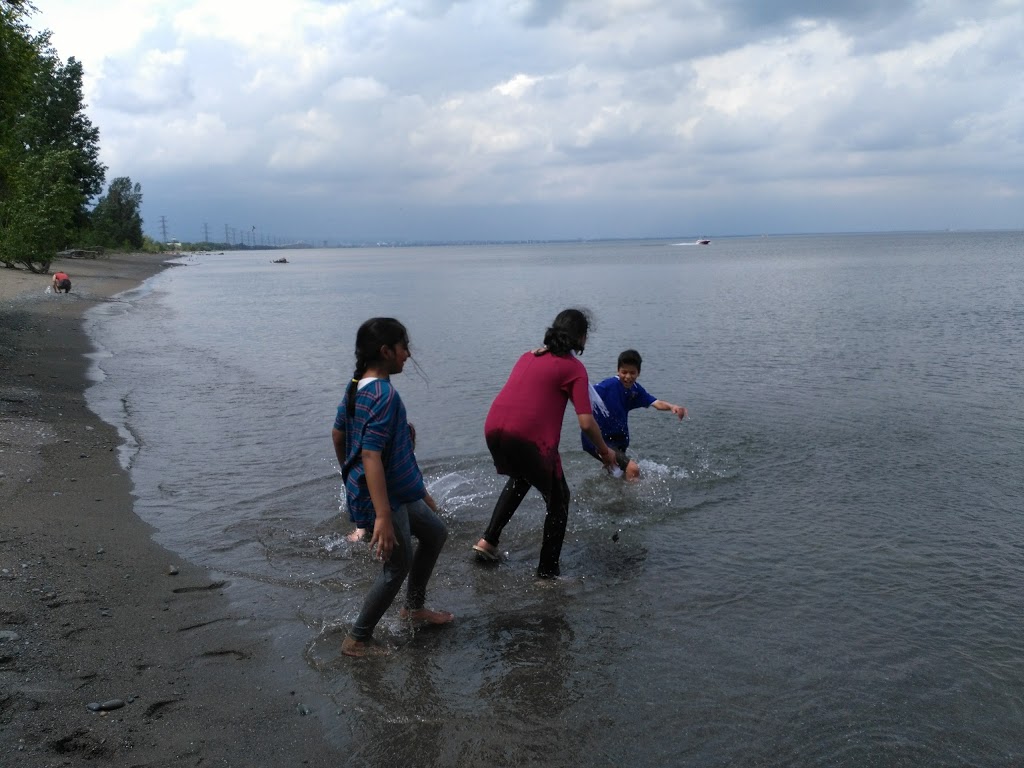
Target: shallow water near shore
point(823, 565)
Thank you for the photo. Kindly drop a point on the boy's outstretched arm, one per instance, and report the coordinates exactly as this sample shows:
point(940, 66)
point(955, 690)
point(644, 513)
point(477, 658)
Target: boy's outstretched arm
point(664, 405)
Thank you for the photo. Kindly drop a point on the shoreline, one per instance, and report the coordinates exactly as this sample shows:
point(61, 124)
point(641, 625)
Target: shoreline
point(92, 610)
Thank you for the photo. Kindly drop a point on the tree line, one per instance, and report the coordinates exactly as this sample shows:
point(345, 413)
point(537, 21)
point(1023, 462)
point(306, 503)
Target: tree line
point(50, 173)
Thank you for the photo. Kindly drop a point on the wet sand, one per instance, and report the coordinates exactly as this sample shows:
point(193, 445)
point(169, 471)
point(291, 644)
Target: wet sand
point(92, 611)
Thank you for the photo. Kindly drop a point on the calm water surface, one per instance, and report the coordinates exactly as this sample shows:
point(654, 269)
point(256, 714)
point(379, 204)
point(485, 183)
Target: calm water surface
point(824, 564)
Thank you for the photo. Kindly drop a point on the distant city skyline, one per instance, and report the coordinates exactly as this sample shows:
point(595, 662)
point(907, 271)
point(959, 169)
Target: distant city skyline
point(445, 120)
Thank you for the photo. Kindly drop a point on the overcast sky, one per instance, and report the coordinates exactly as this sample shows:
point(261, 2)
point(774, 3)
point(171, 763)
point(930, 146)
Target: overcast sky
point(535, 119)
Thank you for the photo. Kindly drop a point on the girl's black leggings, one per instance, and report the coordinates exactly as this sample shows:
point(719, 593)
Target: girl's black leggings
point(555, 491)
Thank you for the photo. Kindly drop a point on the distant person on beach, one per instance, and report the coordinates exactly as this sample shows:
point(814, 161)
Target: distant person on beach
point(363, 519)
point(621, 394)
point(383, 482)
point(61, 282)
point(523, 428)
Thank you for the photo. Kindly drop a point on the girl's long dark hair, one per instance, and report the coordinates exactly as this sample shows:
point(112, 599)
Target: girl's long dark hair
point(375, 333)
point(568, 333)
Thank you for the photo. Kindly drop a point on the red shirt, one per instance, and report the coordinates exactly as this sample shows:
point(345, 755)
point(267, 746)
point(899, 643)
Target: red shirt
point(531, 405)
point(60, 276)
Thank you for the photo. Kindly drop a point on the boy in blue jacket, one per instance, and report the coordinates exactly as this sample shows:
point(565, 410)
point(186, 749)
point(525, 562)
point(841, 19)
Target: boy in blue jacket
point(622, 394)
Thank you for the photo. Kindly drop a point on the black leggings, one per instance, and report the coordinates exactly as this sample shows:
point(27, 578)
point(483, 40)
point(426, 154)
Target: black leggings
point(522, 462)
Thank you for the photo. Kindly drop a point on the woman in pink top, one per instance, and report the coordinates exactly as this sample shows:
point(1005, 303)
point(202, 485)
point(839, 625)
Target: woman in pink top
point(523, 428)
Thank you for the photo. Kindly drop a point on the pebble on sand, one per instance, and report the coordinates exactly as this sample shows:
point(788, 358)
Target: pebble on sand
point(106, 706)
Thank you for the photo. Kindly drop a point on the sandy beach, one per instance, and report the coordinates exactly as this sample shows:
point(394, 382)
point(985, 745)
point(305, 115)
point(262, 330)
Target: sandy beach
point(112, 649)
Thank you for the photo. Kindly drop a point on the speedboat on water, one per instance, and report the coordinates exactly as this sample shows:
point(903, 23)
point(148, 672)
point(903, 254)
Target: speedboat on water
point(703, 241)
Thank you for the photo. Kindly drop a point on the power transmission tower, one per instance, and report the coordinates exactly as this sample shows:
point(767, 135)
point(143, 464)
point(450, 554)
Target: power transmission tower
point(163, 228)
point(206, 232)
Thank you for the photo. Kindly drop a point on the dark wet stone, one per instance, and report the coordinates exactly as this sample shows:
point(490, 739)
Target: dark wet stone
point(106, 706)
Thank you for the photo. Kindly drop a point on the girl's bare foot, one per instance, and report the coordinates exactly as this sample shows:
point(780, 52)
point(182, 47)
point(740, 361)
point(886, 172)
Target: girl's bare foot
point(361, 650)
point(425, 616)
point(359, 534)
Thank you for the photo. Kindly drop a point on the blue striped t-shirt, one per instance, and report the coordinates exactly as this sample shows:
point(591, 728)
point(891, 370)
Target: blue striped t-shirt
point(379, 424)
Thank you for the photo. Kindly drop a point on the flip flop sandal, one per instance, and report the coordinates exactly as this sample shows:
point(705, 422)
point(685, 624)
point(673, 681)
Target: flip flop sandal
point(486, 555)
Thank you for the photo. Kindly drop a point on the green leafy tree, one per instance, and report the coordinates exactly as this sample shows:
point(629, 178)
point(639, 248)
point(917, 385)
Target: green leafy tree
point(38, 210)
point(56, 120)
point(19, 52)
point(45, 137)
point(19, 60)
point(116, 219)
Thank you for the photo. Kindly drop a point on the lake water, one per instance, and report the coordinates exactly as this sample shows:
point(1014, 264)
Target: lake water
point(823, 565)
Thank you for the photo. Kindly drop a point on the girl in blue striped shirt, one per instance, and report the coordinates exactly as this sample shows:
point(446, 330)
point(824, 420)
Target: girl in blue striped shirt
point(383, 483)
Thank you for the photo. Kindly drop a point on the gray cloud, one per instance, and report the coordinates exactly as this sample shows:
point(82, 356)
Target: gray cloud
point(449, 120)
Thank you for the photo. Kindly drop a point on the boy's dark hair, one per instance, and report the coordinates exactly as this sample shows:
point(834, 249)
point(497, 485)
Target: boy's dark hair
point(568, 332)
point(375, 333)
point(630, 357)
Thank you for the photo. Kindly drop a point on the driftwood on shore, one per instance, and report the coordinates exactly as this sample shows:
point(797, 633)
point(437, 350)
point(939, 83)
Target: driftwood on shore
point(81, 253)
